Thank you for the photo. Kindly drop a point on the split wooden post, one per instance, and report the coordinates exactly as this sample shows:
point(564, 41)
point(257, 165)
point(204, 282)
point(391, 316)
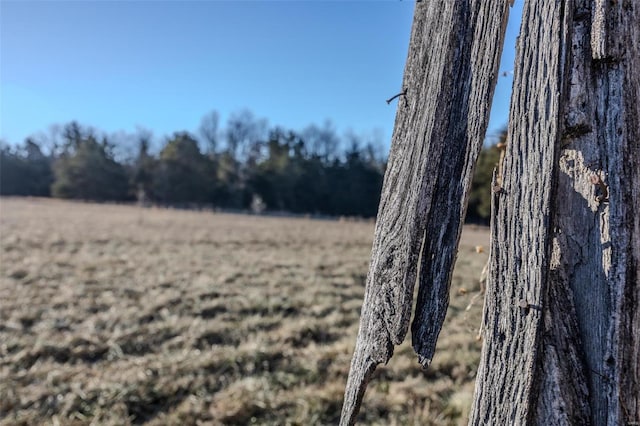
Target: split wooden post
point(561, 321)
point(449, 79)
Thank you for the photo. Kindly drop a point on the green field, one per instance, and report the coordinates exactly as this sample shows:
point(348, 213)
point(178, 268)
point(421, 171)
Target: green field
point(123, 315)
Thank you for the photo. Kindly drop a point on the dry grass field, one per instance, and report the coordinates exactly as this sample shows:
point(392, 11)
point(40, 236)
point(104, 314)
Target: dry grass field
point(122, 315)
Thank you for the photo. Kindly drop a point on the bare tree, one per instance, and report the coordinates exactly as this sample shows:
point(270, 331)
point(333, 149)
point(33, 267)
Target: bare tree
point(245, 134)
point(323, 141)
point(209, 131)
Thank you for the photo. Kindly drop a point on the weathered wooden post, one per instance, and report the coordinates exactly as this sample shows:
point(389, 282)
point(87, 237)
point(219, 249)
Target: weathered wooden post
point(442, 116)
point(562, 324)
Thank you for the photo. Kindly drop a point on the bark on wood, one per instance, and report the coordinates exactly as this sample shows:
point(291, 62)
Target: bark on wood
point(449, 80)
point(557, 242)
point(519, 254)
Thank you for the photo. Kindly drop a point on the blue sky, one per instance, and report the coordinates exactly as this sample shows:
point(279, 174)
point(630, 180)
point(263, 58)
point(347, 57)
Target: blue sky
point(162, 65)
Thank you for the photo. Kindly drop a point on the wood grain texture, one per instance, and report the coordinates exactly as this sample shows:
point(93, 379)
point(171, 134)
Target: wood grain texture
point(449, 78)
point(617, 113)
point(583, 359)
point(521, 223)
point(463, 120)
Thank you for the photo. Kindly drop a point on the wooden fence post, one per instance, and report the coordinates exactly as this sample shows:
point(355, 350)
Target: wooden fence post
point(449, 79)
point(561, 323)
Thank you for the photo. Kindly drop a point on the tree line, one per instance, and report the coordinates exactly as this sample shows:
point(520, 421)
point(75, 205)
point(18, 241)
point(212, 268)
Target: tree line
point(244, 166)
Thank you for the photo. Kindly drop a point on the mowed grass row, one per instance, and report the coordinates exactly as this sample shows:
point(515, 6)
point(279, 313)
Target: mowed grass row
point(122, 315)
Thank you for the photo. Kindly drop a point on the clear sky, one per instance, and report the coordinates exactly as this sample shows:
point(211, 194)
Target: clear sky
point(162, 65)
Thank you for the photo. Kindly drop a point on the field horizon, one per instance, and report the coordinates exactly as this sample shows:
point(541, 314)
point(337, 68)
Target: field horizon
point(117, 314)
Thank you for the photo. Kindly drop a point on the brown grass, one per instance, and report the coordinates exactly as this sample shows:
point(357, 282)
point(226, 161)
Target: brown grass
point(120, 315)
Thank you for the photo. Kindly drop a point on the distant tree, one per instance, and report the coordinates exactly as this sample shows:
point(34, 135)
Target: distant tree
point(72, 134)
point(209, 131)
point(272, 179)
point(479, 207)
point(322, 141)
point(52, 138)
point(294, 179)
point(25, 171)
point(357, 183)
point(143, 168)
point(12, 172)
point(228, 188)
point(183, 174)
point(244, 136)
point(86, 168)
point(40, 173)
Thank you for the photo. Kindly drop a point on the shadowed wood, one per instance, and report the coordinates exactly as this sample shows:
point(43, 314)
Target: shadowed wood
point(597, 232)
point(449, 79)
